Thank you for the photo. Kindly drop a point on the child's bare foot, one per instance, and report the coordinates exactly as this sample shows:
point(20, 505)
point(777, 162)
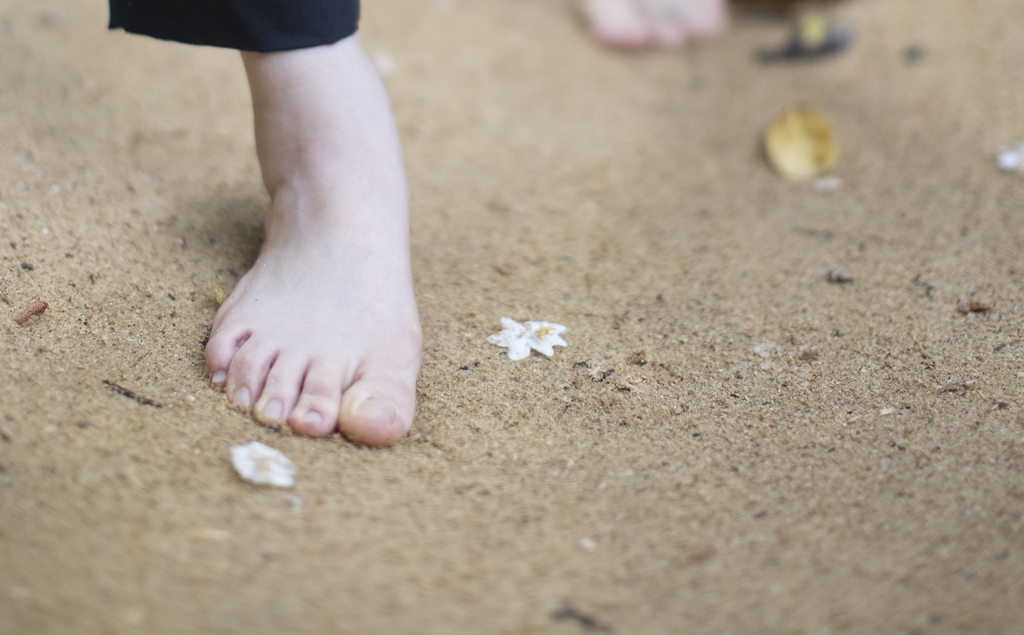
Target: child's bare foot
point(322, 332)
point(639, 23)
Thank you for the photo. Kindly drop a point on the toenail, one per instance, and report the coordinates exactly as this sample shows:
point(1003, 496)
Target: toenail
point(274, 409)
point(372, 421)
point(219, 377)
point(312, 417)
point(242, 398)
point(377, 413)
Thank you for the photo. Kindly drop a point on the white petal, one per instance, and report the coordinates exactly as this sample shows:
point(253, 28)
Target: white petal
point(541, 346)
point(556, 329)
point(501, 339)
point(520, 338)
point(511, 325)
point(1012, 160)
point(263, 465)
point(555, 340)
point(519, 349)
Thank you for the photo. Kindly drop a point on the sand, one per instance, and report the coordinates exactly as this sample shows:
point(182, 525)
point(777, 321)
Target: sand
point(865, 476)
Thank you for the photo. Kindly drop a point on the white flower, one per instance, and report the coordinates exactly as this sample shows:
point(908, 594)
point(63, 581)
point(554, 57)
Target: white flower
point(520, 338)
point(1012, 160)
point(263, 465)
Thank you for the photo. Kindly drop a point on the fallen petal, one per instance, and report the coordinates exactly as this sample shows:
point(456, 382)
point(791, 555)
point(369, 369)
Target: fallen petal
point(542, 347)
point(520, 338)
point(518, 349)
point(263, 465)
point(502, 339)
point(1012, 160)
point(557, 340)
point(511, 325)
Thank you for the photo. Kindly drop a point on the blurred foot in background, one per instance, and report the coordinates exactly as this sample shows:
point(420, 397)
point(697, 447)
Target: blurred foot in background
point(632, 24)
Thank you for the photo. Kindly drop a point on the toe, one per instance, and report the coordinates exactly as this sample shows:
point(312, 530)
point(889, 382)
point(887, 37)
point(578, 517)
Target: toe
point(248, 372)
point(220, 350)
point(702, 19)
point(281, 389)
point(316, 412)
point(378, 409)
point(617, 23)
point(668, 32)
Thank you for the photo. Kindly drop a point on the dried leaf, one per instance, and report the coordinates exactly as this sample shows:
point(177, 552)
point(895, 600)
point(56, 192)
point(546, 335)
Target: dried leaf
point(219, 294)
point(799, 144)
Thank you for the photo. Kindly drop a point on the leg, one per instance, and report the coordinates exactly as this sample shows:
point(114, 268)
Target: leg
point(638, 23)
point(322, 332)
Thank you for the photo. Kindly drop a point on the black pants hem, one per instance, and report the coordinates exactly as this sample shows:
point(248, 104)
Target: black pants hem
point(247, 25)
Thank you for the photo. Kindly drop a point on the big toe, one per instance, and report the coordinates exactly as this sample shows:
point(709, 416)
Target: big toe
point(377, 411)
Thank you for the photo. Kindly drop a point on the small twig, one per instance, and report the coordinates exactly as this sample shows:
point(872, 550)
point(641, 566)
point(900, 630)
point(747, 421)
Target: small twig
point(35, 307)
point(588, 623)
point(121, 390)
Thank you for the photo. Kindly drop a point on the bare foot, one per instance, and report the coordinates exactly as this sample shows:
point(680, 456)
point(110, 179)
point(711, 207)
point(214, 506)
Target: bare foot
point(322, 332)
point(633, 24)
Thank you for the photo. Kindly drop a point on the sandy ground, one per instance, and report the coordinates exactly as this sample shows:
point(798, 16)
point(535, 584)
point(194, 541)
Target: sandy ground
point(864, 477)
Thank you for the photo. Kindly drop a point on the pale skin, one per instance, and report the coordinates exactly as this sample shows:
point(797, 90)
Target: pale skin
point(322, 334)
point(632, 24)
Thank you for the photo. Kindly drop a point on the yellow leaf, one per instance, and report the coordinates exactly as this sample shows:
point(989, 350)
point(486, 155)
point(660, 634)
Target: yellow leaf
point(812, 31)
point(799, 144)
point(219, 294)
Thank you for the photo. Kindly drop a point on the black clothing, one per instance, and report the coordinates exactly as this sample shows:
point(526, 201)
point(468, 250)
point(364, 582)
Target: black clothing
point(247, 25)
